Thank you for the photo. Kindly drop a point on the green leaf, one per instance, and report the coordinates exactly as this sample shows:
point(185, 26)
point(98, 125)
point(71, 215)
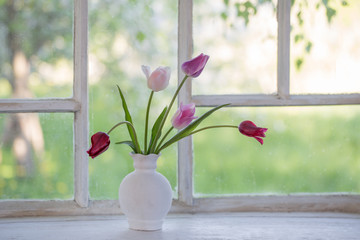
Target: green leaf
point(250, 7)
point(224, 15)
point(299, 18)
point(129, 143)
point(298, 63)
point(140, 36)
point(330, 13)
point(299, 37)
point(245, 10)
point(156, 127)
point(129, 119)
point(191, 127)
point(308, 47)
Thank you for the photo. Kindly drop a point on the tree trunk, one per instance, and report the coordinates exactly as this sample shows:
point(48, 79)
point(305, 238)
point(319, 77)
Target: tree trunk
point(23, 130)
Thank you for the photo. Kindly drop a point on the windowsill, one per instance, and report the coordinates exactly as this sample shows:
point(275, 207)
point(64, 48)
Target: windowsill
point(189, 226)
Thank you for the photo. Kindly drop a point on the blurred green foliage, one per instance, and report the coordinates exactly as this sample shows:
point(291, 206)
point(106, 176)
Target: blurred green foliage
point(53, 178)
point(246, 9)
point(307, 150)
point(312, 149)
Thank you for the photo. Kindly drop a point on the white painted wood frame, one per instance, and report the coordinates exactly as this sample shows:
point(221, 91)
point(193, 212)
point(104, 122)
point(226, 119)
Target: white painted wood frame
point(78, 105)
point(81, 117)
point(293, 202)
point(283, 97)
point(283, 60)
point(229, 226)
point(185, 146)
point(186, 202)
point(338, 202)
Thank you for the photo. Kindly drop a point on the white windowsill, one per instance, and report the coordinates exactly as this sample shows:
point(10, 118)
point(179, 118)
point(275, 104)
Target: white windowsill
point(189, 226)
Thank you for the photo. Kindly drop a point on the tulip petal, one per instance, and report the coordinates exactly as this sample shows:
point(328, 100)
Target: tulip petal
point(146, 70)
point(195, 66)
point(260, 140)
point(249, 129)
point(158, 79)
point(183, 116)
point(100, 142)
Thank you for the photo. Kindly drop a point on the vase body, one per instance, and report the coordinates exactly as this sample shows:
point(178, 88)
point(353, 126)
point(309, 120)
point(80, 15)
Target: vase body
point(145, 195)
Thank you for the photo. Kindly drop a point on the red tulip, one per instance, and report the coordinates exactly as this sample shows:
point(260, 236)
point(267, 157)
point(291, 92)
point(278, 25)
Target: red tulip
point(249, 129)
point(183, 116)
point(194, 67)
point(100, 142)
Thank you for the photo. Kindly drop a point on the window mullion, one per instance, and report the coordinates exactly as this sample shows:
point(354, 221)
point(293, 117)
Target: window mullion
point(274, 100)
point(185, 157)
point(81, 128)
point(38, 105)
point(283, 65)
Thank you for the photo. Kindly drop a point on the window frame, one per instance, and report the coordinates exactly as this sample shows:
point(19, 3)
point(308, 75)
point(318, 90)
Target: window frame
point(186, 202)
point(78, 104)
point(294, 202)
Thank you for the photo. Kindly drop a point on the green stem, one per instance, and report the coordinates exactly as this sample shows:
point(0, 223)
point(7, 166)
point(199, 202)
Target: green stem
point(202, 129)
point(136, 143)
point(158, 134)
point(216, 126)
point(163, 139)
point(147, 120)
point(175, 95)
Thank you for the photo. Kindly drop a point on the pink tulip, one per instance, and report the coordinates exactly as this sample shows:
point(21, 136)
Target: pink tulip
point(159, 79)
point(194, 67)
point(183, 116)
point(249, 129)
point(100, 142)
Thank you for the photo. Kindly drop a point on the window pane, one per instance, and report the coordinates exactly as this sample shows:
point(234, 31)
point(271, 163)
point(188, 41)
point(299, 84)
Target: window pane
point(36, 53)
point(36, 156)
point(242, 47)
point(306, 150)
point(123, 36)
point(325, 57)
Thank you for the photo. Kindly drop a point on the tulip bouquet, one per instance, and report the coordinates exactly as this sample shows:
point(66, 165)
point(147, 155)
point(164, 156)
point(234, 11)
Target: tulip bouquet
point(184, 119)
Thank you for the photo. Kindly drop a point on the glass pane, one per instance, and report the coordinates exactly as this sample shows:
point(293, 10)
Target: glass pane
point(123, 36)
point(325, 57)
point(36, 156)
point(306, 150)
point(36, 53)
point(241, 40)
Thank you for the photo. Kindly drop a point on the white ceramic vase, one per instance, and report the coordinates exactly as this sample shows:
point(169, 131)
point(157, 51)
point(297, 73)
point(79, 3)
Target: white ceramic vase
point(145, 195)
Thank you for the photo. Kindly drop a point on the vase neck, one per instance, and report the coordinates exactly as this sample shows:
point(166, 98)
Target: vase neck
point(145, 162)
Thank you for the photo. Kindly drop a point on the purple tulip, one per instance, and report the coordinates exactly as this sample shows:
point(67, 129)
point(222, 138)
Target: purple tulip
point(183, 116)
point(157, 80)
point(100, 142)
point(249, 129)
point(194, 67)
